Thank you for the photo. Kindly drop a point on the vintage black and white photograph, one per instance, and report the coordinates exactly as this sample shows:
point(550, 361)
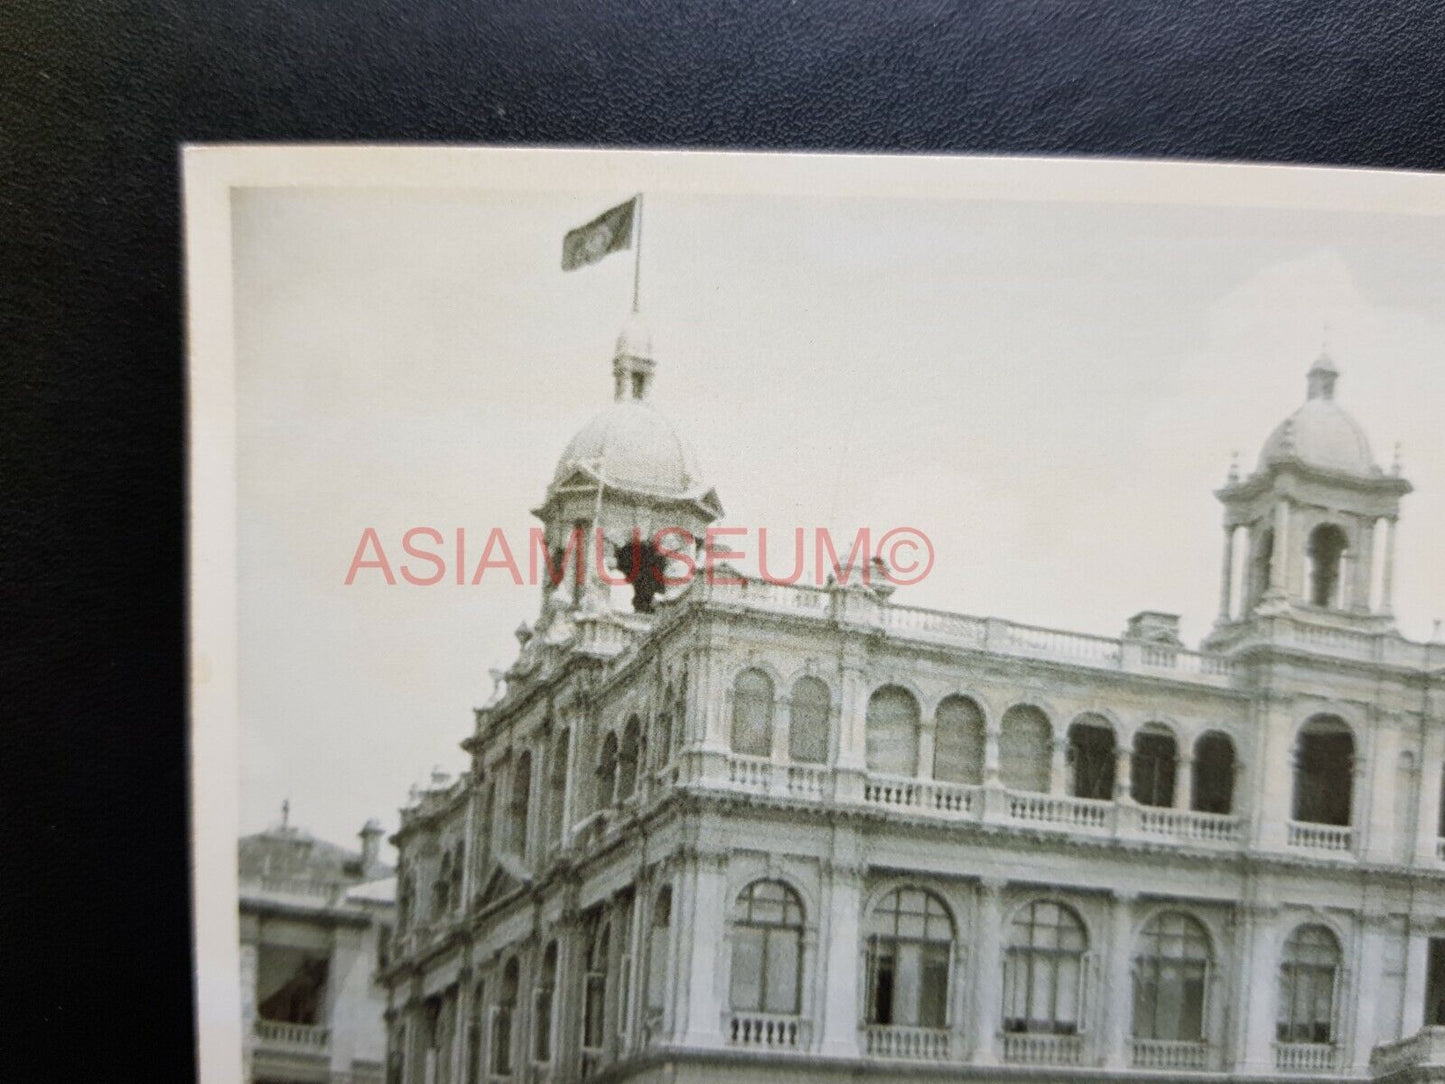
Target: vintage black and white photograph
point(682, 617)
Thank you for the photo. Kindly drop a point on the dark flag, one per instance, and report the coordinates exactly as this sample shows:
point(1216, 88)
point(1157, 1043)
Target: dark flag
point(609, 232)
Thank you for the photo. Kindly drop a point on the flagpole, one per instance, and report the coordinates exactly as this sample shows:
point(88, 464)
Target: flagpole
point(637, 256)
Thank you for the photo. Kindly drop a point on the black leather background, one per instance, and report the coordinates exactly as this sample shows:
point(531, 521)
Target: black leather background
point(95, 96)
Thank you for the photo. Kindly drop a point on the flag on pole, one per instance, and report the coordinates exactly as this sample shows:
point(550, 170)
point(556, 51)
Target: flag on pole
point(609, 232)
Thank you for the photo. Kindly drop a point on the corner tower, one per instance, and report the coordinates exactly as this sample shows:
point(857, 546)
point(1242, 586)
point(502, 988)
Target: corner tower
point(627, 475)
point(1311, 531)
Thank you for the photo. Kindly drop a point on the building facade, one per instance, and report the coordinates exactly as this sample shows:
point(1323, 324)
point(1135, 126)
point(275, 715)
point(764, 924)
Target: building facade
point(316, 921)
point(734, 829)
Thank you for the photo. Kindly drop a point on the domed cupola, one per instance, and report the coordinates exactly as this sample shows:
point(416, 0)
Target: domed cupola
point(630, 473)
point(1321, 434)
point(1314, 525)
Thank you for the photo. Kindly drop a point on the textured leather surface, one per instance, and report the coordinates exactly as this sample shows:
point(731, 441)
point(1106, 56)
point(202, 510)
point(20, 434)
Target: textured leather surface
point(95, 97)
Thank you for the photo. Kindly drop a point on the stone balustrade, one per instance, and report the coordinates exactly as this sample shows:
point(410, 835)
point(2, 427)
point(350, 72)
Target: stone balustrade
point(1190, 825)
point(1425, 1048)
point(767, 1031)
point(1024, 1049)
point(307, 1038)
point(1060, 811)
point(893, 1041)
point(1169, 1054)
point(1321, 837)
point(944, 799)
point(1306, 1057)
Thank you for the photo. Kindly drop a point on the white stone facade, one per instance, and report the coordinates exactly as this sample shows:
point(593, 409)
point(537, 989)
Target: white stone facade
point(760, 829)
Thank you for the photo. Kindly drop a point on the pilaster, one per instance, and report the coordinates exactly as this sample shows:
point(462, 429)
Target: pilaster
point(839, 978)
point(986, 1009)
point(1116, 988)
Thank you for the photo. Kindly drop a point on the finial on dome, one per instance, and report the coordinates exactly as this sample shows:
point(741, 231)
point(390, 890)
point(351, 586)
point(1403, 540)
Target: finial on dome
point(1322, 376)
point(1233, 466)
point(632, 363)
point(1397, 467)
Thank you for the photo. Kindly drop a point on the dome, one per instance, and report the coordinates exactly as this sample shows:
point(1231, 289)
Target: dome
point(633, 447)
point(1320, 433)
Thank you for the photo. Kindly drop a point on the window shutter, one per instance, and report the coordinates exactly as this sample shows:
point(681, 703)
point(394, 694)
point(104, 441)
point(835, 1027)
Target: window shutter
point(1206, 1001)
point(1009, 968)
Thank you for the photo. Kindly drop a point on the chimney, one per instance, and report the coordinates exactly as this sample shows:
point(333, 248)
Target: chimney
point(371, 834)
point(1154, 626)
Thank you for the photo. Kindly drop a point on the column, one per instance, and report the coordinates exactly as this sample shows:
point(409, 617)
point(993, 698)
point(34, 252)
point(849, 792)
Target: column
point(1279, 558)
point(1368, 968)
point(706, 938)
point(842, 943)
point(348, 982)
point(1115, 986)
point(1257, 1008)
point(1226, 574)
point(852, 730)
point(987, 1008)
point(1184, 783)
point(927, 736)
point(1059, 766)
point(1417, 971)
point(1387, 574)
point(1427, 827)
point(1362, 557)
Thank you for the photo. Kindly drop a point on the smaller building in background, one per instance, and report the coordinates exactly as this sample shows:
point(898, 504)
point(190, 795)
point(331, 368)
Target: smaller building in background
point(316, 920)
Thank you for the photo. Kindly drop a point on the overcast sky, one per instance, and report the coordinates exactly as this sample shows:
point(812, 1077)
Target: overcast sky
point(1051, 392)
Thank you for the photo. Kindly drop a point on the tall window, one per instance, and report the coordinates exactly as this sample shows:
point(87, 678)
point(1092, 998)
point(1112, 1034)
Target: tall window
point(1171, 971)
point(753, 714)
point(628, 758)
point(504, 1018)
point(1213, 790)
point(594, 987)
point(405, 903)
point(485, 844)
point(474, 1035)
point(767, 957)
point(459, 857)
point(1324, 771)
point(657, 952)
point(910, 953)
point(518, 807)
point(1152, 767)
point(1092, 757)
point(542, 1006)
point(607, 772)
point(1326, 551)
point(1260, 565)
point(808, 708)
point(892, 727)
point(1023, 749)
point(557, 790)
point(958, 741)
point(662, 731)
point(1307, 986)
point(441, 899)
point(1044, 970)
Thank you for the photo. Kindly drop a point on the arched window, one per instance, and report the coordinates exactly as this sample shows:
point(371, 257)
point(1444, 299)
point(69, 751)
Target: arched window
point(1092, 757)
point(767, 957)
point(1326, 551)
point(542, 1005)
point(1152, 767)
point(753, 714)
point(607, 772)
point(808, 709)
point(486, 845)
point(910, 954)
point(518, 807)
point(628, 758)
point(557, 789)
point(1213, 790)
point(958, 741)
point(1307, 980)
point(892, 727)
point(1023, 749)
point(1171, 973)
point(657, 953)
point(1324, 771)
point(1044, 970)
point(594, 987)
point(503, 1018)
